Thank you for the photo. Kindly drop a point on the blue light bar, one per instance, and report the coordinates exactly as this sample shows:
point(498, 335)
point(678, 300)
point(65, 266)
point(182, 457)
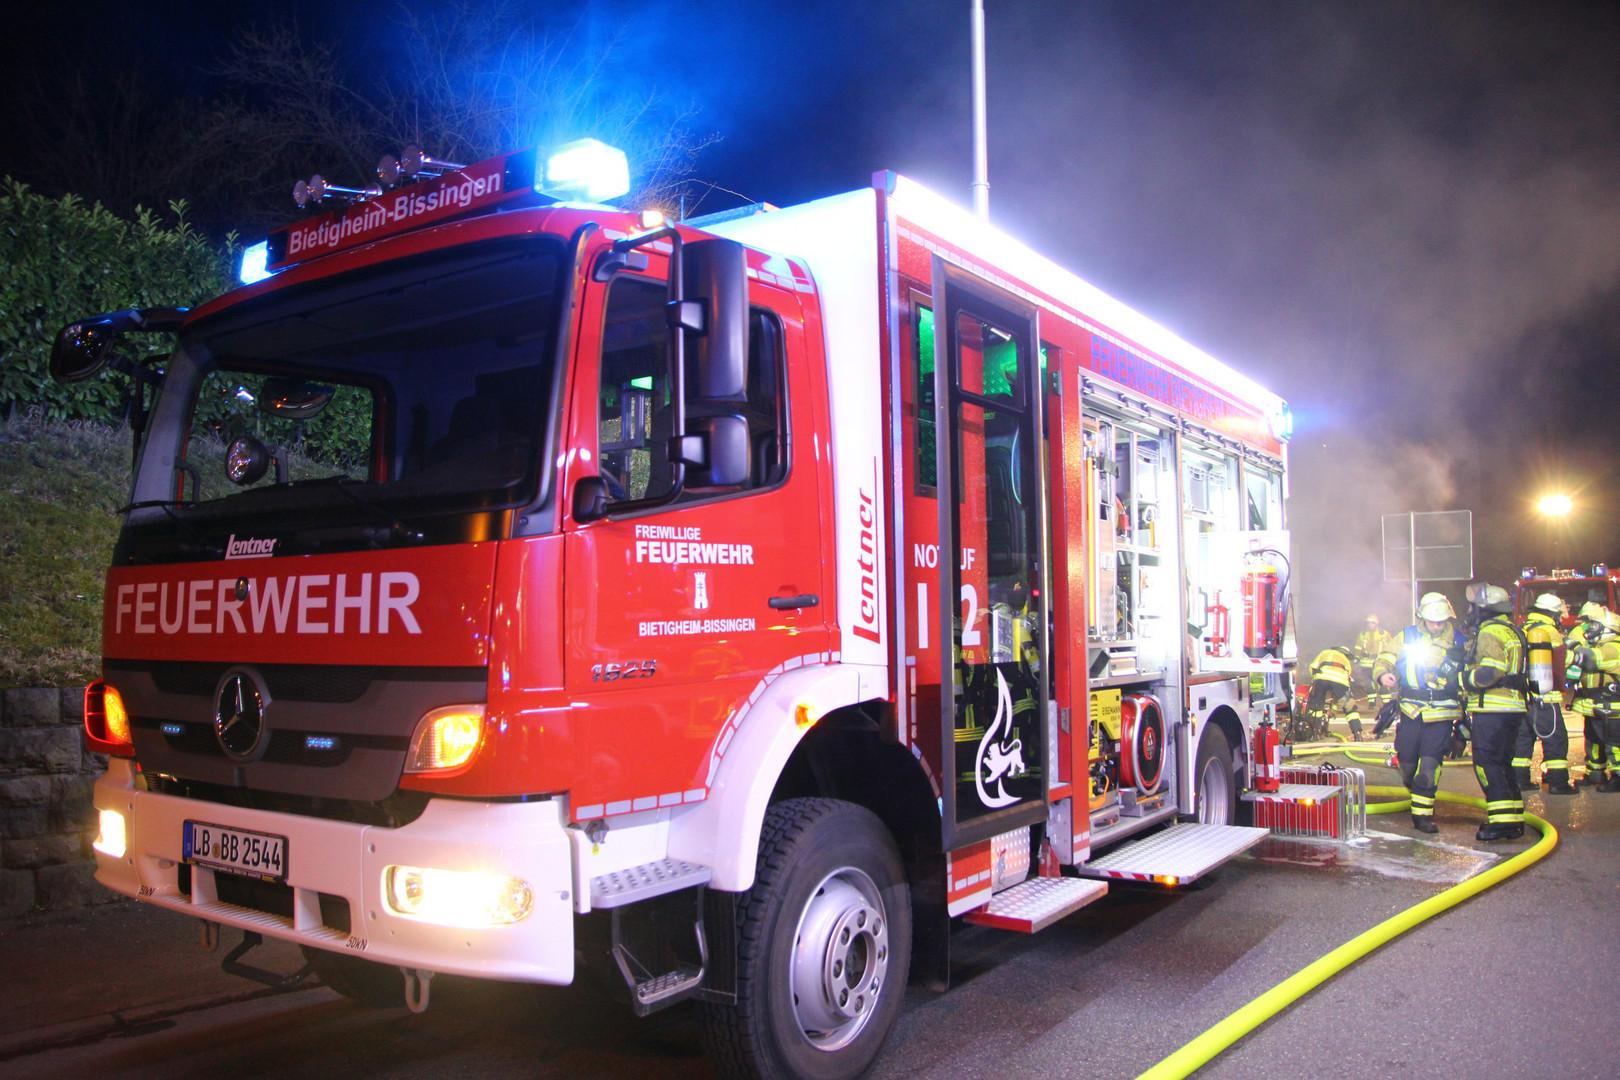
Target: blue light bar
point(174, 730)
point(586, 169)
point(255, 263)
point(320, 742)
point(1282, 422)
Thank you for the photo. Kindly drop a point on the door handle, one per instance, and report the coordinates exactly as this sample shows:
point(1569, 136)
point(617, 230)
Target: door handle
point(781, 603)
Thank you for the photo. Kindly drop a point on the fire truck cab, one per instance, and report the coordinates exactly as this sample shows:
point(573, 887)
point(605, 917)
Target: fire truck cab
point(512, 583)
point(1575, 588)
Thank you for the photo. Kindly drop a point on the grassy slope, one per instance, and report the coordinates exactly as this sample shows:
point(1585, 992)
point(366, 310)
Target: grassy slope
point(59, 486)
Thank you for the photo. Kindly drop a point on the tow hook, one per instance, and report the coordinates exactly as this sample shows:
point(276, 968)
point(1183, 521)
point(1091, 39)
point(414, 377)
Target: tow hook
point(417, 985)
point(252, 939)
point(209, 935)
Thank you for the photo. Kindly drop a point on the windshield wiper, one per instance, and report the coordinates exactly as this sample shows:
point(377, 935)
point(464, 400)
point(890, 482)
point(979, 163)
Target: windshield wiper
point(206, 546)
point(397, 529)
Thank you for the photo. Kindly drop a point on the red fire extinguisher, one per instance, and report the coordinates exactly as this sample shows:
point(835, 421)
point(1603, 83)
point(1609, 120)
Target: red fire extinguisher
point(1263, 588)
point(1267, 757)
point(1220, 627)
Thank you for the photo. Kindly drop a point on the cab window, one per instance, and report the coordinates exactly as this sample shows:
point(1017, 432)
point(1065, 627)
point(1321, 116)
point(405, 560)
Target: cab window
point(635, 403)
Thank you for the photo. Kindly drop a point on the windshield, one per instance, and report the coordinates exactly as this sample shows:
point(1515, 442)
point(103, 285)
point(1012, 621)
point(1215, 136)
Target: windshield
point(425, 387)
point(1575, 592)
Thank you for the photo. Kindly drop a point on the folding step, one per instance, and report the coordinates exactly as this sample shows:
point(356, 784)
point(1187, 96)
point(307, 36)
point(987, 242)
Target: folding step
point(633, 883)
point(1179, 854)
point(1298, 794)
point(1036, 903)
point(661, 990)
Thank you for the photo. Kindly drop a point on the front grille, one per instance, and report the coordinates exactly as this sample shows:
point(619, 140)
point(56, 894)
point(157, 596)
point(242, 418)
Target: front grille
point(333, 683)
point(287, 747)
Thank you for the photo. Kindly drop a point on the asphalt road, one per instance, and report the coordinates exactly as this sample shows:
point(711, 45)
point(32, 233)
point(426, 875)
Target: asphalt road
point(1518, 982)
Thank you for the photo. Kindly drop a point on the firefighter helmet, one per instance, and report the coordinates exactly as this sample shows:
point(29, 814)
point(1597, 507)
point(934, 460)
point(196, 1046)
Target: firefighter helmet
point(1552, 604)
point(1372, 620)
point(1592, 611)
point(1434, 607)
point(1610, 622)
point(1492, 598)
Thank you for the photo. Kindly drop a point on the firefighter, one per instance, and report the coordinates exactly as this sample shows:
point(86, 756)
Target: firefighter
point(1330, 685)
point(1597, 663)
point(1497, 684)
point(1543, 631)
point(1586, 680)
point(1369, 643)
point(1424, 663)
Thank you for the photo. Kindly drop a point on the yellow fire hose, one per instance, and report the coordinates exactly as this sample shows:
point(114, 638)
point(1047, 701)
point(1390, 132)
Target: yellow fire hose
point(1200, 1050)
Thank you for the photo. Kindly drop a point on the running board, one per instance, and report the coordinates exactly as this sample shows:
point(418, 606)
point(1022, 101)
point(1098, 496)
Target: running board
point(1179, 854)
point(1037, 903)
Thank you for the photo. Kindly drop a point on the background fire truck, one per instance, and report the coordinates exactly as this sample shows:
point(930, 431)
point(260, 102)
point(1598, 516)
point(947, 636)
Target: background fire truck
point(729, 604)
point(1576, 588)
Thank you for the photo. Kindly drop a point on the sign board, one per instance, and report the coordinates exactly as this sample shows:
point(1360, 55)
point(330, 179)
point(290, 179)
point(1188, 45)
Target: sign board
point(472, 187)
point(1435, 546)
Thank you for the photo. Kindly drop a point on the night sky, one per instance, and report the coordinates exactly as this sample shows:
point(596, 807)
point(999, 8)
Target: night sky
point(1403, 217)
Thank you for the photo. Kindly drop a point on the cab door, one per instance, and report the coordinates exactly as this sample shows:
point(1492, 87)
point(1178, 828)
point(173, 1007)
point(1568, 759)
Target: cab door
point(993, 562)
point(676, 612)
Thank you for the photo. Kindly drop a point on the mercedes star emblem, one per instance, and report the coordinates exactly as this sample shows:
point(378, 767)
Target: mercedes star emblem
point(239, 716)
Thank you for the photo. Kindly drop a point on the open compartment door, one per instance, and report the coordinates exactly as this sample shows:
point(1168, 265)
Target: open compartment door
point(992, 534)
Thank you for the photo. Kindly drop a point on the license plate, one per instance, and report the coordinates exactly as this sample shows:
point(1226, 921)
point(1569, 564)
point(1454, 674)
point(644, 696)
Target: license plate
point(255, 854)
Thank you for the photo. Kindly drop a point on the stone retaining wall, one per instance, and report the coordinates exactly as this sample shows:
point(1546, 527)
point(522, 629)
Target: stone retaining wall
point(46, 819)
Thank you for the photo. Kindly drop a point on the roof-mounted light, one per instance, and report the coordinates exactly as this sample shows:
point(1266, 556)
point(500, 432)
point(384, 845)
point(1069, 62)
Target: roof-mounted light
point(1282, 422)
point(255, 263)
point(585, 169)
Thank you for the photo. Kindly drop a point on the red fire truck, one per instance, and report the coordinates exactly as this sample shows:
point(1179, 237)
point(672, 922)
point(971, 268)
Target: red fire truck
point(511, 584)
point(1576, 589)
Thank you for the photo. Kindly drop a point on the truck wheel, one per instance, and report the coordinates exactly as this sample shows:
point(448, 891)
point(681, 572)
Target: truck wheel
point(1214, 787)
point(824, 944)
point(365, 981)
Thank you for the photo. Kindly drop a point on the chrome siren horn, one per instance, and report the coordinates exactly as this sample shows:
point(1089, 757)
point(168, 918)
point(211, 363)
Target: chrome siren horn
point(414, 163)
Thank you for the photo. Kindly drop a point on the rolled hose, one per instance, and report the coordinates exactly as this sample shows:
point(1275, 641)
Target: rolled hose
point(1197, 1053)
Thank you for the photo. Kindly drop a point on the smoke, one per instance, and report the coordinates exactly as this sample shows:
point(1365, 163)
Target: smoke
point(1403, 218)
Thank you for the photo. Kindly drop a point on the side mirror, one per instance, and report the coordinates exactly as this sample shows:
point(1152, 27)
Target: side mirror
point(590, 499)
point(293, 399)
point(83, 348)
point(727, 459)
point(715, 272)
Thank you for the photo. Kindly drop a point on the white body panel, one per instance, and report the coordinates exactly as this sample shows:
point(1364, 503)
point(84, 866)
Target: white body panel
point(837, 239)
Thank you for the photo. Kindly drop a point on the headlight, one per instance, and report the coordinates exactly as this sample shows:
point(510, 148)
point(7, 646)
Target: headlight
point(110, 841)
point(446, 738)
point(456, 897)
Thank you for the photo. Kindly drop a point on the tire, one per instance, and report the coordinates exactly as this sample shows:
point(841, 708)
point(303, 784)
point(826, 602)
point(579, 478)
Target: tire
point(365, 981)
point(1214, 785)
point(830, 899)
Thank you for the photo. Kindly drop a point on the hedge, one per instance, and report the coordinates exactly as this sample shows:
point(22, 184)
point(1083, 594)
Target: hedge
point(60, 260)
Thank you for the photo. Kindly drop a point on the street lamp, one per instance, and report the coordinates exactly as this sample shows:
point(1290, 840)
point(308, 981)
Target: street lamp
point(1555, 508)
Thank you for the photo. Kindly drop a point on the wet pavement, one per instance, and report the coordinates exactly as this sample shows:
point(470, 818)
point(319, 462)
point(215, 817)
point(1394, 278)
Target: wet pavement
point(1517, 982)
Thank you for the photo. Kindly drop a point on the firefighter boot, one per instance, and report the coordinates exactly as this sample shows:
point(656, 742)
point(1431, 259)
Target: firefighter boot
point(1594, 777)
point(1499, 831)
point(1613, 783)
point(1521, 776)
point(1558, 782)
point(1424, 824)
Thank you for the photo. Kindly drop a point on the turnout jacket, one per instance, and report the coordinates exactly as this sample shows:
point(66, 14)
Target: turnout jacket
point(1427, 671)
point(1495, 680)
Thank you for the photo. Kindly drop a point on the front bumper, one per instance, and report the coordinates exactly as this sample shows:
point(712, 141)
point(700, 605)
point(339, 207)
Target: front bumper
point(347, 861)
